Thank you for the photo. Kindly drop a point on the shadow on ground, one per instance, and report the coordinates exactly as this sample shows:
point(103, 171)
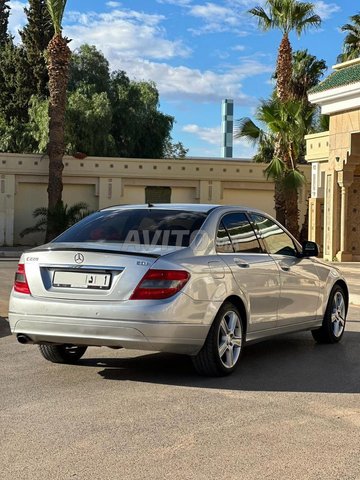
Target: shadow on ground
point(289, 364)
point(4, 328)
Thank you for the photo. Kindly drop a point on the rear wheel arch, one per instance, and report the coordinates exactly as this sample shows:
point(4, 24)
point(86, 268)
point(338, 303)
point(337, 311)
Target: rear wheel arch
point(223, 346)
point(239, 304)
point(345, 289)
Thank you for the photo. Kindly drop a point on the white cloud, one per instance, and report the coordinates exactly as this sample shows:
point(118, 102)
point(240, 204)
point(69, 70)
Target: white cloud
point(211, 12)
point(217, 18)
point(179, 3)
point(245, 3)
point(210, 135)
point(17, 18)
point(181, 82)
point(113, 4)
point(238, 48)
point(127, 32)
point(213, 136)
point(221, 54)
point(325, 10)
point(137, 43)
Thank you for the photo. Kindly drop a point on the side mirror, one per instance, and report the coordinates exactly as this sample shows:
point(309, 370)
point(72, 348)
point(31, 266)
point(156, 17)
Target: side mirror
point(310, 249)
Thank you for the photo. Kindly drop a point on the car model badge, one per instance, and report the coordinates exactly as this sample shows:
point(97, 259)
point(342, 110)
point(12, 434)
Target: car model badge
point(79, 258)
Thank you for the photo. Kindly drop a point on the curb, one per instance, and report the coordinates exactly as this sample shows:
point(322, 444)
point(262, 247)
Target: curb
point(354, 299)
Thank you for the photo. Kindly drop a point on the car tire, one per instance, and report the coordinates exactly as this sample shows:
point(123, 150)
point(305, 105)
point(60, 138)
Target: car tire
point(333, 325)
point(62, 353)
point(223, 346)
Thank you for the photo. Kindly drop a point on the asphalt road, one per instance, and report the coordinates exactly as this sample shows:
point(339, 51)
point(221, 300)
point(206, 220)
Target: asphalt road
point(291, 411)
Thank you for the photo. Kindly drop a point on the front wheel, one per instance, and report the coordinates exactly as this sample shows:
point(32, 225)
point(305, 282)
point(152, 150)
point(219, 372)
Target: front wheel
point(62, 353)
point(333, 325)
point(223, 346)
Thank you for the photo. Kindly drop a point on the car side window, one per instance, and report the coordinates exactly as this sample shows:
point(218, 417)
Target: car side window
point(223, 242)
point(241, 233)
point(276, 240)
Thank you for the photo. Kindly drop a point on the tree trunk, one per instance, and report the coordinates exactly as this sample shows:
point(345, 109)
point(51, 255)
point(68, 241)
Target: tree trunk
point(279, 190)
point(279, 202)
point(304, 231)
point(283, 89)
point(58, 67)
point(284, 69)
point(291, 200)
point(292, 212)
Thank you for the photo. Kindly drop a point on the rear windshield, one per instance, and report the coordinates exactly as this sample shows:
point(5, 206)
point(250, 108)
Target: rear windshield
point(138, 226)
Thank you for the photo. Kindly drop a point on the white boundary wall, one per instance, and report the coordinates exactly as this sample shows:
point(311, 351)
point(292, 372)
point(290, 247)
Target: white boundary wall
point(105, 181)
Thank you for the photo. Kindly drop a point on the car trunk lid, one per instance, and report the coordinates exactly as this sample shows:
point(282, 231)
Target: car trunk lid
point(88, 272)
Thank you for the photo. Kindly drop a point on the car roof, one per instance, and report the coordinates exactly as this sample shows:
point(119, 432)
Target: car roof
point(194, 207)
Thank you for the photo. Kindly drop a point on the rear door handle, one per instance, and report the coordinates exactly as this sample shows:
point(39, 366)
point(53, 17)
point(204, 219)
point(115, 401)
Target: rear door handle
point(241, 263)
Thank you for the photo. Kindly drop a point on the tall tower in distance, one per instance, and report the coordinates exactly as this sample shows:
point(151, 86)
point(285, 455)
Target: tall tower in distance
point(227, 128)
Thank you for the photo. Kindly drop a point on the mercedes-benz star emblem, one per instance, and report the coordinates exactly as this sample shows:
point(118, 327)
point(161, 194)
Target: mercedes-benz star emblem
point(79, 258)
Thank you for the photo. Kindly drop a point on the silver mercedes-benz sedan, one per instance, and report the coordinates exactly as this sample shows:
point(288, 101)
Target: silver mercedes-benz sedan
point(201, 280)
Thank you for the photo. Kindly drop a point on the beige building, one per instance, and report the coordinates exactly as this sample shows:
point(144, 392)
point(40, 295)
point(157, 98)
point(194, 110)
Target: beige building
point(334, 207)
point(101, 182)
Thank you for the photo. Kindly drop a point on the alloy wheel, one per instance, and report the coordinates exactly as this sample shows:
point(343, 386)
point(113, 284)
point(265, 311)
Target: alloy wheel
point(230, 339)
point(338, 312)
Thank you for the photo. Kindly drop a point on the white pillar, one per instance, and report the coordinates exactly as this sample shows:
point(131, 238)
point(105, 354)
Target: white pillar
point(345, 179)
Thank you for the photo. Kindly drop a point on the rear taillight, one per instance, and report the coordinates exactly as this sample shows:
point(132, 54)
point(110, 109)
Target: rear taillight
point(21, 284)
point(159, 284)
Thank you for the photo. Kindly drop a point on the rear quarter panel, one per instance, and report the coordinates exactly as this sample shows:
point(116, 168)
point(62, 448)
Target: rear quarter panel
point(211, 281)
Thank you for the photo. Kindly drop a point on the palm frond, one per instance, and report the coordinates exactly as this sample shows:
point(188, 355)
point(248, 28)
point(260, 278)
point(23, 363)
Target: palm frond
point(246, 128)
point(311, 21)
point(306, 73)
point(293, 180)
point(76, 209)
point(351, 45)
point(56, 10)
point(61, 216)
point(348, 28)
point(40, 212)
point(286, 15)
point(324, 122)
point(39, 226)
point(264, 20)
point(275, 169)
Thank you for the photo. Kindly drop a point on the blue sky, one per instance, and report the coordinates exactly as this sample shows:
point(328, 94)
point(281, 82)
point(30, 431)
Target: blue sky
point(197, 52)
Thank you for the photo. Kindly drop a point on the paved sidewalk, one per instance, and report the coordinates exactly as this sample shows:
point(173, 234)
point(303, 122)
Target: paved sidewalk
point(7, 273)
point(351, 272)
point(12, 252)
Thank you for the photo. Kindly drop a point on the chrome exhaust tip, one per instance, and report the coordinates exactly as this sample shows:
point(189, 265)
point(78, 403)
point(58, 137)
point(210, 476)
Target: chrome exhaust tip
point(23, 339)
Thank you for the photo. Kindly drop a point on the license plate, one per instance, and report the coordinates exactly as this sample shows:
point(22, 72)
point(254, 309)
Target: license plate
point(86, 280)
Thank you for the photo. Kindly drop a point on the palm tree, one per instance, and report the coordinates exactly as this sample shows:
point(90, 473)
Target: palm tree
point(285, 125)
point(264, 141)
point(59, 218)
point(58, 60)
point(287, 16)
point(257, 137)
point(307, 71)
point(288, 122)
point(351, 46)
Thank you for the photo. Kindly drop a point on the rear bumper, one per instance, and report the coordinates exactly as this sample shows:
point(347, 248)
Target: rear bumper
point(159, 336)
point(177, 327)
